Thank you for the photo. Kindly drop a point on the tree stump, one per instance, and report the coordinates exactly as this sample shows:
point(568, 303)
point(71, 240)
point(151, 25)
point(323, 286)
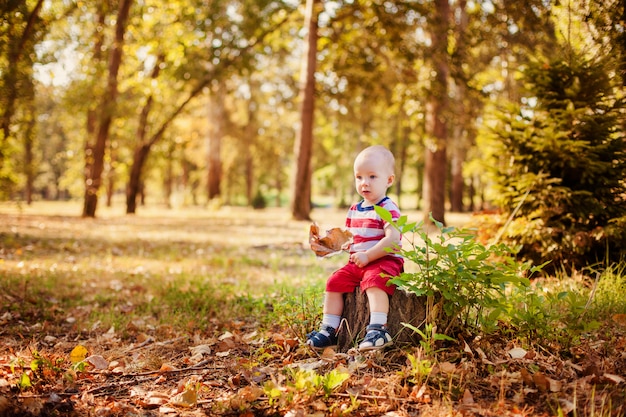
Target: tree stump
point(404, 307)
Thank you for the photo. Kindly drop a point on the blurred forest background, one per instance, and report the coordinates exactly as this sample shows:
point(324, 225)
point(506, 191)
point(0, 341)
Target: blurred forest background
point(505, 107)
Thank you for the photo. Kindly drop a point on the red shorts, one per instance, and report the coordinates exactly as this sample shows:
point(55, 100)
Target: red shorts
point(374, 274)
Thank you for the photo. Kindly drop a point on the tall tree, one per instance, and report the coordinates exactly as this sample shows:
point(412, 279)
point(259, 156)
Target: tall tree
point(19, 33)
point(230, 52)
point(217, 122)
point(301, 183)
point(107, 109)
point(561, 162)
point(436, 161)
point(142, 149)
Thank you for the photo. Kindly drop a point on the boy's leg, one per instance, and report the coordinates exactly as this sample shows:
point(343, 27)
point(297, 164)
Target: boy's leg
point(327, 335)
point(343, 280)
point(377, 336)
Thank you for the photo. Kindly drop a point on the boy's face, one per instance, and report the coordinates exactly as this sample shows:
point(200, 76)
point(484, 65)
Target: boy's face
point(373, 176)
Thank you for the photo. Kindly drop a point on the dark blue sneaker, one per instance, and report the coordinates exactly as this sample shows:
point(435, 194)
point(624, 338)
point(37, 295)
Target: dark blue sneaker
point(377, 337)
point(325, 338)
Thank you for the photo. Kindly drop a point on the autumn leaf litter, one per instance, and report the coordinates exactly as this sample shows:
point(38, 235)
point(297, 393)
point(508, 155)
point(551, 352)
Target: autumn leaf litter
point(235, 367)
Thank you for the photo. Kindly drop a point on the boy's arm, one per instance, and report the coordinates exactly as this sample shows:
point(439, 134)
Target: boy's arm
point(392, 237)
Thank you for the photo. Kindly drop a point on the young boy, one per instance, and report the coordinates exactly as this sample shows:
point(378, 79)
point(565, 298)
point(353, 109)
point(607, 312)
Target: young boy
point(370, 264)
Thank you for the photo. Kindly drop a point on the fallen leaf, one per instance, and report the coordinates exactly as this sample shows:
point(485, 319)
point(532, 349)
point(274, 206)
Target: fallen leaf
point(619, 319)
point(541, 381)
point(417, 393)
point(467, 348)
point(566, 406)
point(166, 368)
point(447, 367)
point(526, 377)
point(517, 353)
point(197, 352)
point(468, 399)
point(555, 386)
point(616, 379)
point(78, 354)
point(335, 241)
point(98, 361)
point(226, 335)
point(544, 383)
point(187, 398)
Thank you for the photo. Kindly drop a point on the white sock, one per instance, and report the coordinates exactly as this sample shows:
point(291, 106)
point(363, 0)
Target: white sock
point(331, 320)
point(378, 318)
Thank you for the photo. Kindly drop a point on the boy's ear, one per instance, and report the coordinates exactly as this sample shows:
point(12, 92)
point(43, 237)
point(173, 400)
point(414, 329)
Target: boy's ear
point(390, 180)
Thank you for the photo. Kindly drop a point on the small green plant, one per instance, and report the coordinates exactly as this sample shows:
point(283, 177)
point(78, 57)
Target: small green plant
point(468, 280)
point(428, 337)
point(304, 384)
point(420, 368)
point(40, 369)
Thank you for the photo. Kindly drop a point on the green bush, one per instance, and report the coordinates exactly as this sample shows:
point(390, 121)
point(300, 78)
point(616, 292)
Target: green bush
point(465, 281)
point(258, 202)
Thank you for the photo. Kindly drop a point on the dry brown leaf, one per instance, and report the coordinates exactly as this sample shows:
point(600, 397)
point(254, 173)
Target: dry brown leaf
point(517, 353)
point(328, 354)
point(545, 384)
point(526, 377)
point(541, 381)
point(187, 398)
point(98, 362)
point(468, 399)
point(467, 348)
point(619, 319)
point(198, 352)
point(335, 241)
point(616, 379)
point(555, 386)
point(166, 368)
point(447, 367)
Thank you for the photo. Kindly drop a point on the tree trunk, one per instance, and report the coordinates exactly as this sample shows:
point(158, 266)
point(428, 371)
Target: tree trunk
point(217, 116)
point(110, 177)
point(142, 150)
point(30, 170)
point(301, 188)
point(94, 178)
point(404, 307)
point(437, 109)
point(401, 156)
point(457, 186)
point(134, 179)
point(168, 180)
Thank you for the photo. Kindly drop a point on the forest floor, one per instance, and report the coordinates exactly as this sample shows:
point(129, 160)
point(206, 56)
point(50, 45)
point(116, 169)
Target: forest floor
point(197, 312)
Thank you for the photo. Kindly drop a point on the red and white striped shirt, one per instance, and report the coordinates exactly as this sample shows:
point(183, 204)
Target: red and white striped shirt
point(366, 226)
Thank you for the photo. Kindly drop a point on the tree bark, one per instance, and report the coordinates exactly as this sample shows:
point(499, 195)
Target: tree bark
point(217, 115)
point(457, 185)
point(301, 188)
point(437, 108)
point(134, 179)
point(94, 177)
point(404, 307)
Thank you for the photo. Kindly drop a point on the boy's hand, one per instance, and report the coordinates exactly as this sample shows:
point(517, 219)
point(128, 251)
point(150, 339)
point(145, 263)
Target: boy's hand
point(360, 259)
